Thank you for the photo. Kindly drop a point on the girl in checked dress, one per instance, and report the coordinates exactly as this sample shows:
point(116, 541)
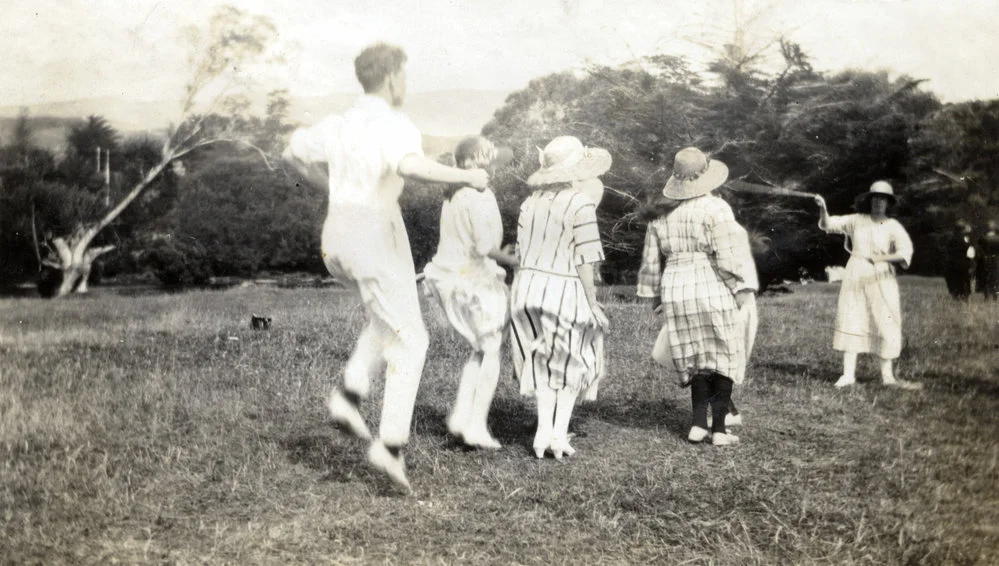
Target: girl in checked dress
point(557, 323)
point(466, 279)
point(706, 281)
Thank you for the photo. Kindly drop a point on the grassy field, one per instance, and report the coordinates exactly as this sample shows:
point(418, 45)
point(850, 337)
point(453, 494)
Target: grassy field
point(162, 429)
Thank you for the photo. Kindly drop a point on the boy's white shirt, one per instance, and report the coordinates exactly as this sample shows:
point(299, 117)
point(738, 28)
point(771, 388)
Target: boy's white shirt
point(363, 148)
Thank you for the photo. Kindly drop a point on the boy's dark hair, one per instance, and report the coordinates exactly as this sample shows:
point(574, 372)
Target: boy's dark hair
point(376, 63)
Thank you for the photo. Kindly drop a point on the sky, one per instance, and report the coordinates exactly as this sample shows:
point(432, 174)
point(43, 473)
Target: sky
point(57, 50)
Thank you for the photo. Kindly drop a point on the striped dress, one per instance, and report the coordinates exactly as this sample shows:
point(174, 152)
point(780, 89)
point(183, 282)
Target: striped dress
point(706, 253)
point(555, 340)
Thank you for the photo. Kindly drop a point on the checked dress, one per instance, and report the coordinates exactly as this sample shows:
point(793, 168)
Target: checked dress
point(705, 253)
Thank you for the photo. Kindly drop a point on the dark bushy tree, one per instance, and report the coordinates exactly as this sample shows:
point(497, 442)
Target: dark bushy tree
point(794, 129)
point(234, 41)
point(246, 218)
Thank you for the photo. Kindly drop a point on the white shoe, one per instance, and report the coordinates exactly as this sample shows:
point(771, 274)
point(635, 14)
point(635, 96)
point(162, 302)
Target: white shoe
point(560, 447)
point(733, 420)
point(540, 449)
point(393, 466)
point(844, 381)
point(482, 440)
point(724, 439)
point(698, 434)
point(346, 414)
point(454, 428)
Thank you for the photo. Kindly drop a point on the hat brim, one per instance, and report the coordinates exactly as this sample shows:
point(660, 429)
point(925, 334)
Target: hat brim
point(596, 162)
point(863, 198)
point(714, 177)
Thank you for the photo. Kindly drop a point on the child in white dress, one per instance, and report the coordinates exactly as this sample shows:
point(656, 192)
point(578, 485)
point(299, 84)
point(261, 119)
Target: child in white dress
point(466, 279)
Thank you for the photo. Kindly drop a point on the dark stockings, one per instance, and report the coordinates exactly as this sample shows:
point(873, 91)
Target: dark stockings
point(715, 390)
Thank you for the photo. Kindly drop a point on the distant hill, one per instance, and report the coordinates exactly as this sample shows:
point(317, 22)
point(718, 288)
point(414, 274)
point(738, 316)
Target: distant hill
point(50, 133)
point(46, 131)
point(443, 114)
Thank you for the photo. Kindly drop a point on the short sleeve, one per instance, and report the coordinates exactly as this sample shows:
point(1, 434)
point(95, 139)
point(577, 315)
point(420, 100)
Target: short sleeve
point(484, 220)
point(400, 139)
point(901, 243)
point(310, 144)
point(586, 234)
point(841, 224)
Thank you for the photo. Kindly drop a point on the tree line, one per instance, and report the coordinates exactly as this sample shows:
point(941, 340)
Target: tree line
point(208, 199)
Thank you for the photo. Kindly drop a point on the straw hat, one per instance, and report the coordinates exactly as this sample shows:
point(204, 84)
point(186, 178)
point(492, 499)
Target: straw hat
point(565, 159)
point(694, 175)
point(882, 188)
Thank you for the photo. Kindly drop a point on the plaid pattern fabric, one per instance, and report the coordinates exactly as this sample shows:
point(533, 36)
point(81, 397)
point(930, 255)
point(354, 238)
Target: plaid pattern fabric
point(555, 341)
point(708, 260)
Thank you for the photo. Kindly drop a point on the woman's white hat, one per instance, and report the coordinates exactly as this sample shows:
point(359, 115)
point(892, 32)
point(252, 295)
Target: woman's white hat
point(694, 175)
point(565, 159)
point(882, 188)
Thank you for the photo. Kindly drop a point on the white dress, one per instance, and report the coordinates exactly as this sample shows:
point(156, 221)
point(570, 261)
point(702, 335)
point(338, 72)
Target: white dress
point(869, 314)
point(463, 280)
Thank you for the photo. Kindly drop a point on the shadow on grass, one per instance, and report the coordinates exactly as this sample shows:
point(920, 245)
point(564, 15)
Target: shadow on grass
point(335, 453)
point(790, 373)
point(959, 385)
point(341, 458)
point(672, 415)
point(513, 422)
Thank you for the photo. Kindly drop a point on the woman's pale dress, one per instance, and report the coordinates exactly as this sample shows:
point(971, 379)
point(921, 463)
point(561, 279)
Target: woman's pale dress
point(869, 314)
point(467, 283)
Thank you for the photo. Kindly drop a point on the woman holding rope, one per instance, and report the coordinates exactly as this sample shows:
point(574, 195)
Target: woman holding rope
point(868, 315)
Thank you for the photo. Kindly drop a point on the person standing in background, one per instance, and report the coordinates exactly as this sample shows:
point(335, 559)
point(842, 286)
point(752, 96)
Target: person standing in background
point(988, 272)
point(960, 261)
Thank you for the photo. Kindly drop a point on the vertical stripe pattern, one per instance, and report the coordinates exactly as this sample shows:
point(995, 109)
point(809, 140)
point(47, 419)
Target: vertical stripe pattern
point(555, 341)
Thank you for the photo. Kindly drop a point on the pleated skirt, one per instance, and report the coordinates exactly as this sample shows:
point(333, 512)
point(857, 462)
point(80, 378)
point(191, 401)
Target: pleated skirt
point(555, 340)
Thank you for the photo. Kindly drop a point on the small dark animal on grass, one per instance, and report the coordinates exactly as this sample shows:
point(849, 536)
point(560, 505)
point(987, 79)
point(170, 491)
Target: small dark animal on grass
point(258, 322)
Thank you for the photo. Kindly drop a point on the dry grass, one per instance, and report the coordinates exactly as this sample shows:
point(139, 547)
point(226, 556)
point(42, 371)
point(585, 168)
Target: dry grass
point(161, 429)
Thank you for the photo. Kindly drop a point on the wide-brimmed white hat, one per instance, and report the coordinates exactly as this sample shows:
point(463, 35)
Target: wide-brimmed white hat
point(882, 188)
point(694, 175)
point(565, 159)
